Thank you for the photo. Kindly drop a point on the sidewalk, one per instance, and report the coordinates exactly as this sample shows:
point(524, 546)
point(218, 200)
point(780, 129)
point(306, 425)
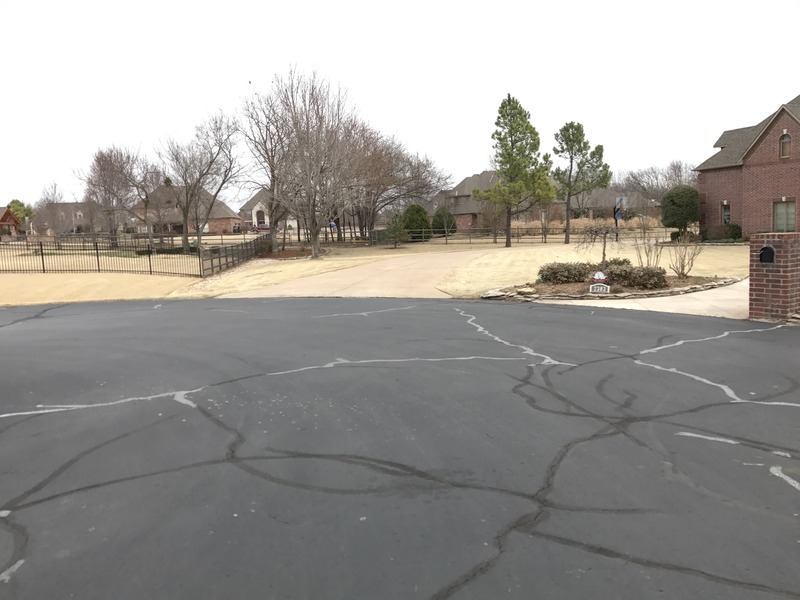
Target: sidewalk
point(731, 301)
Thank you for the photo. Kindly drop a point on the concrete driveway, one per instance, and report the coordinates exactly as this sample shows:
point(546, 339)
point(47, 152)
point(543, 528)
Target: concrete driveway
point(413, 276)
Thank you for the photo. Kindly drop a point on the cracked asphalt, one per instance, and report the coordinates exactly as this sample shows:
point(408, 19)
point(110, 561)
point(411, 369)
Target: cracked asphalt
point(395, 448)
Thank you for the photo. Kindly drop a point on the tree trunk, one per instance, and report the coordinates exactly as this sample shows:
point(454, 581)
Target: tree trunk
point(508, 227)
point(568, 209)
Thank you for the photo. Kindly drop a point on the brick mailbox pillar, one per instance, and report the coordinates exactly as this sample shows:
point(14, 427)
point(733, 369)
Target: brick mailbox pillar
point(774, 275)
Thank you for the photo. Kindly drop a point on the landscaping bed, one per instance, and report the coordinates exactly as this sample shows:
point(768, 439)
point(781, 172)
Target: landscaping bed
point(580, 291)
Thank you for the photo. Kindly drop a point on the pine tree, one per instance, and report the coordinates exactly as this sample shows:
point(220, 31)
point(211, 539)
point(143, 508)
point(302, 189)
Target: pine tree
point(521, 170)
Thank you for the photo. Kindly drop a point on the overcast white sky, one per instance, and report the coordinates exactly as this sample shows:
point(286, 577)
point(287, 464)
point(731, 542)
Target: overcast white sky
point(651, 81)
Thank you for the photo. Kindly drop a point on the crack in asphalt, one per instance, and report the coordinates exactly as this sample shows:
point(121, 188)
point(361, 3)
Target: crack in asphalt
point(663, 566)
point(411, 476)
point(39, 315)
point(613, 426)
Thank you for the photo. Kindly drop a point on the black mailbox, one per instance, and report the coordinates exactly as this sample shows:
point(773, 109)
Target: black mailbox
point(766, 254)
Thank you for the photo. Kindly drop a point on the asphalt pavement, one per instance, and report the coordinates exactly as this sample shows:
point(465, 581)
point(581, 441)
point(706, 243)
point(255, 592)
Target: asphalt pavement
point(395, 448)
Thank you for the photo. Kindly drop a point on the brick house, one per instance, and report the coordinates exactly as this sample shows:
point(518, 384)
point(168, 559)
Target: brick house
point(165, 216)
point(754, 179)
point(467, 210)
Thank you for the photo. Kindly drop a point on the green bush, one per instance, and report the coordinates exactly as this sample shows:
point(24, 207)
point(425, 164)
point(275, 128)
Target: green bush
point(641, 278)
point(416, 222)
point(616, 261)
point(680, 207)
point(674, 236)
point(443, 219)
point(620, 272)
point(718, 233)
point(566, 272)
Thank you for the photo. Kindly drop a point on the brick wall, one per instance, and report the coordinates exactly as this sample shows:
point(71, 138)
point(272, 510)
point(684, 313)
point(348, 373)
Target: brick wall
point(752, 189)
point(716, 187)
point(218, 226)
point(466, 221)
point(767, 178)
point(775, 287)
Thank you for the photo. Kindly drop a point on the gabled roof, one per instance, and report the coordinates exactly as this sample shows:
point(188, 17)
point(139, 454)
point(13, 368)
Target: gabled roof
point(734, 144)
point(219, 210)
point(480, 181)
point(7, 217)
point(463, 202)
point(261, 195)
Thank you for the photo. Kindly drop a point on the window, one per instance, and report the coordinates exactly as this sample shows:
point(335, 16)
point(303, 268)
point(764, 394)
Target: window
point(786, 145)
point(726, 214)
point(783, 216)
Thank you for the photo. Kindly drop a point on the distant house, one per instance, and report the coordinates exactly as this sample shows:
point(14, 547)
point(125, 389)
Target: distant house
point(467, 210)
point(254, 213)
point(165, 216)
point(9, 224)
point(56, 218)
point(463, 205)
point(754, 179)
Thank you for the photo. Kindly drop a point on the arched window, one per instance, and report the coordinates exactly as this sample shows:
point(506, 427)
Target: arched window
point(786, 145)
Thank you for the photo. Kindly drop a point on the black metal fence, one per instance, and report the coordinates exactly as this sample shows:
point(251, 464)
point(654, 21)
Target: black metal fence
point(123, 255)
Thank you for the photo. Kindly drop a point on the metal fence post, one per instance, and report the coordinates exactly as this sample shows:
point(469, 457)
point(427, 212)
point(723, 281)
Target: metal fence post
point(41, 252)
point(150, 258)
point(200, 260)
point(97, 254)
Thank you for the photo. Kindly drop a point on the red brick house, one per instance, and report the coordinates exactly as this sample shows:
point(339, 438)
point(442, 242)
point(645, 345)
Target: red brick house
point(165, 216)
point(467, 210)
point(754, 179)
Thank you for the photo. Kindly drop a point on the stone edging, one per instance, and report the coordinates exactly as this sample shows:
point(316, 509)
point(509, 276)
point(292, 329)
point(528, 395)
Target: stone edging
point(528, 294)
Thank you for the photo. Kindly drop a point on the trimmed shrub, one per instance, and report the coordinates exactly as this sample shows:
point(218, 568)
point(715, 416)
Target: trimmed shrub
point(616, 261)
point(566, 272)
point(718, 233)
point(641, 278)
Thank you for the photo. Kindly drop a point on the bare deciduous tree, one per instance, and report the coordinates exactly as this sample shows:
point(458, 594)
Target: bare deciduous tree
point(683, 253)
point(321, 130)
point(648, 250)
point(654, 182)
point(267, 134)
point(390, 176)
point(49, 211)
point(200, 170)
point(593, 234)
point(107, 187)
point(128, 180)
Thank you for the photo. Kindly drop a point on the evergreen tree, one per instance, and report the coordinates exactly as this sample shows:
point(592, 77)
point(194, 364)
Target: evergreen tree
point(521, 170)
point(585, 170)
point(443, 221)
point(680, 206)
point(416, 222)
point(395, 230)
